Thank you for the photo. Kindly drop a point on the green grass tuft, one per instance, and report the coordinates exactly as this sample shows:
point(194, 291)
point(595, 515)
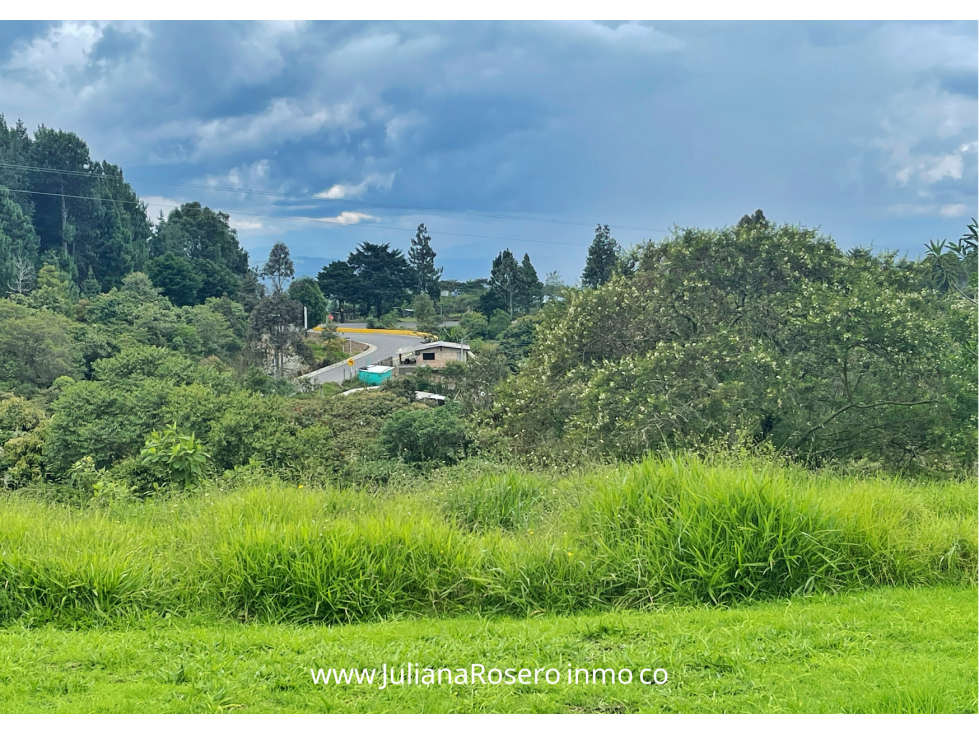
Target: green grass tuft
point(663, 531)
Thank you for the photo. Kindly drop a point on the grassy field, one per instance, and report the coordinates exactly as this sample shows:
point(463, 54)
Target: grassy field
point(630, 537)
point(757, 587)
point(891, 650)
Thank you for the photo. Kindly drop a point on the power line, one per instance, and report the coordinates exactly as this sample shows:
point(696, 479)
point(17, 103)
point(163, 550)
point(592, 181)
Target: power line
point(325, 200)
point(312, 220)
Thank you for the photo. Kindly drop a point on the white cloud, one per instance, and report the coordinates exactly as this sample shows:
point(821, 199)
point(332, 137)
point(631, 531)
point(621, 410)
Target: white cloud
point(347, 191)
point(347, 218)
point(632, 36)
point(926, 119)
point(155, 203)
point(241, 224)
point(281, 121)
point(942, 166)
point(953, 210)
point(928, 210)
point(252, 176)
point(284, 27)
point(65, 47)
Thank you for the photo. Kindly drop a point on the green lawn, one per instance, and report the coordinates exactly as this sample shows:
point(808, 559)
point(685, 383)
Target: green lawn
point(884, 650)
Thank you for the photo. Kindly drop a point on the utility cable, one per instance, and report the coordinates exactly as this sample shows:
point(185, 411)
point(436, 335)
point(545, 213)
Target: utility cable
point(311, 220)
point(326, 200)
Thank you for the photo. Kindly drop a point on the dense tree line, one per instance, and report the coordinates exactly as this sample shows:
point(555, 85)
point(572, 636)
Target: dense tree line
point(58, 206)
point(755, 335)
point(763, 335)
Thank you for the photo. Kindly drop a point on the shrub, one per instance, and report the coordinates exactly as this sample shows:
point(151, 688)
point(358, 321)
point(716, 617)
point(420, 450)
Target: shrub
point(435, 435)
point(179, 459)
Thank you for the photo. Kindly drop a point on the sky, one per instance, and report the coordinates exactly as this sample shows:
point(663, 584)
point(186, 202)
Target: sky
point(518, 135)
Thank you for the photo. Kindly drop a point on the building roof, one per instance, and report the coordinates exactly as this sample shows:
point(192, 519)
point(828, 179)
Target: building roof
point(376, 369)
point(435, 345)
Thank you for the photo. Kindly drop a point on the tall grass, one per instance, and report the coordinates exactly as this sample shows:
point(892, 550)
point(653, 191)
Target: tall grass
point(660, 531)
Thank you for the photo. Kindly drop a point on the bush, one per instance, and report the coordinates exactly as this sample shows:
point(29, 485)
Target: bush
point(177, 458)
point(35, 348)
point(435, 435)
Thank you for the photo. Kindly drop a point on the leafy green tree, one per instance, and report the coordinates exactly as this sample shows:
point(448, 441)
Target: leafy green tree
point(384, 274)
point(499, 321)
point(110, 416)
point(421, 257)
point(435, 435)
point(278, 268)
point(757, 333)
point(22, 426)
point(90, 286)
point(54, 291)
point(474, 382)
point(339, 281)
point(35, 347)
point(275, 330)
point(474, 325)
point(307, 292)
point(115, 239)
point(602, 260)
point(955, 265)
point(199, 233)
point(517, 339)
point(754, 220)
point(553, 285)
point(176, 277)
point(426, 318)
point(83, 211)
point(505, 282)
point(233, 314)
point(254, 427)
point(220, 324)
point(216, 280)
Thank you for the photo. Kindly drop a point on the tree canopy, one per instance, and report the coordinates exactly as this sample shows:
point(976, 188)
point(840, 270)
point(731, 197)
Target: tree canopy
point(385, 277)
point(761, 333)
point(421, 257)
point(602, 260)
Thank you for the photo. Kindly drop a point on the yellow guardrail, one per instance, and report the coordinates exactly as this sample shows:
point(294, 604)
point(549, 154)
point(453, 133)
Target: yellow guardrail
point(403, 332)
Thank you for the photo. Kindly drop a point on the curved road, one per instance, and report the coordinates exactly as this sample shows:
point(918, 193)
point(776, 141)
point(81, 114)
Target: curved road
point(384, 346)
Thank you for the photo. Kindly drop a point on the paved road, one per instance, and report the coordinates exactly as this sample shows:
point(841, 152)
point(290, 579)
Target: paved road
point(400, 325)
point(385, 345)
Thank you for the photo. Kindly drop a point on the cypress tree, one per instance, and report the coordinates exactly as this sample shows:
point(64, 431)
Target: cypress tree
point(603, 255)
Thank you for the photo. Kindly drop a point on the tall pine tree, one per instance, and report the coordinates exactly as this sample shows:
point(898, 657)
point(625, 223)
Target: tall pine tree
point(603, 256)
point(18, 246)
point(505, 281)
point(421, 257)
point(530, 289)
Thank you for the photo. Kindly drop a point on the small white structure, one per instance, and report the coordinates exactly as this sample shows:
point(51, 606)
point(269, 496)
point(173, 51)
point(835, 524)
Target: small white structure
point(434, 354)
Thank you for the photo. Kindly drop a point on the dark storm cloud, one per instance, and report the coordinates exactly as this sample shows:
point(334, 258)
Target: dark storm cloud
point(868, 129)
